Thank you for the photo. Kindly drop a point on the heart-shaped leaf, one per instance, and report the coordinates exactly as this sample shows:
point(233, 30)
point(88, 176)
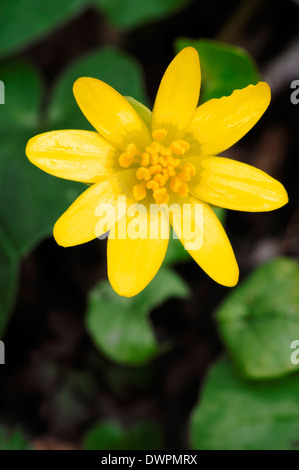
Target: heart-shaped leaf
point(120, 326)
point(259, 320)
point(236, 415)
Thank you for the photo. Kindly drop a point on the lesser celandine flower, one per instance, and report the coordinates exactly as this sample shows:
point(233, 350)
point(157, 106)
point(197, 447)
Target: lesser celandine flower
point(163, 157)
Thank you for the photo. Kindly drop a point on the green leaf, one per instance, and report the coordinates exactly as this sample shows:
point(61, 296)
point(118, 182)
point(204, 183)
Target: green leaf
point(111, 436)
point(32, 200)
point(237, 415)
point(176, 252)
point(225, 68)
point(127, 14)
point(12, 440)
point(23, 21)
point(9, 264)
point(259, 320)
point(23, 92)
point(120, 327)
point(221, 214)
point(142, 110)
point(116, 68)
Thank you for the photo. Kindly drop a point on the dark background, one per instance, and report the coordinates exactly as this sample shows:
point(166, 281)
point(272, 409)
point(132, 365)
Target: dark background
point(56, 384)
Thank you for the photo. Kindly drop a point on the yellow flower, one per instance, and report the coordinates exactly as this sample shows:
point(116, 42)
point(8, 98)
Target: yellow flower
point(160, 157)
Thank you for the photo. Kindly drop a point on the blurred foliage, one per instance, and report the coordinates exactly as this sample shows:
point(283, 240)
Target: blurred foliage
point(25, 21)
point(224, 68)
point(259, 320)
point(111, 436)
point(33, 200)
point(237, 415)
point(127, 14)
point(12, 440)
point(8, 277)
point(176, 252)
point(120, 326)
point(23, 93)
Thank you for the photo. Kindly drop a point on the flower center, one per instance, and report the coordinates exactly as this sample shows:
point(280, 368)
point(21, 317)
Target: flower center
point(159, 168)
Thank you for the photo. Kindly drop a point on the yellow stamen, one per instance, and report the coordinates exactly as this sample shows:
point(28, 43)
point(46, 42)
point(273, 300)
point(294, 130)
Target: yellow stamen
point(139, 191)
point(143, 174)
point(126, 160)
point(145, 159)
point(184, 145)
point(171, 171)
point(154, 169)
point(166, 152)
point(183, 190)
point(160, 180)
point(175, 184)
point(132, 149)
point(153, 148)
point(154, 159)
point(161, 196)
point(160, 169)
point(190, 168)
point(152, 185)
point(187, 172)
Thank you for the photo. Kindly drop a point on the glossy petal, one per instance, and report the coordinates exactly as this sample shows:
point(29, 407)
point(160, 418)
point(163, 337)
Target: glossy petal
point(132, 263)
point(84, 219)
point(215, 254)
point(110, 113)
point(73, 154)
point(178, 94)
point(234, 185)
point(220, 123)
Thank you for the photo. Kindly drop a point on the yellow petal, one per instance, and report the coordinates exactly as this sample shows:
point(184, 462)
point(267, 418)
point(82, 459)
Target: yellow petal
point(97, 207)
point(133, 262)
point(215, 254)
point(110, 113)
point(178, 94)
point(73, 154)
point(220, 123)
point(234, 185)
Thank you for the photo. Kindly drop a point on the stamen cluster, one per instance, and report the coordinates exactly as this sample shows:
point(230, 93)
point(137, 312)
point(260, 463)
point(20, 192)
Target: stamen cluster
point(159, 168)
